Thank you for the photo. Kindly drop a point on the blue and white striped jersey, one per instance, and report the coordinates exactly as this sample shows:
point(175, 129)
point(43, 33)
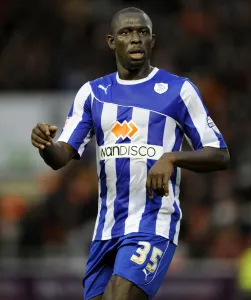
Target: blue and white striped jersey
point(135, 122)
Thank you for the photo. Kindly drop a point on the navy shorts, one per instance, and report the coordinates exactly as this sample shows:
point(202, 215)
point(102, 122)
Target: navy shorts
point(138, 257)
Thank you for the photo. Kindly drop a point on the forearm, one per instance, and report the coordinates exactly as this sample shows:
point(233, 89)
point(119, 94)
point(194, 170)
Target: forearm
point(57, 155)
point(205, 160)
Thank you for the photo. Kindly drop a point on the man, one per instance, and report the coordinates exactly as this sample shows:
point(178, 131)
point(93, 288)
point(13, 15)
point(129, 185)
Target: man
point(139, 116)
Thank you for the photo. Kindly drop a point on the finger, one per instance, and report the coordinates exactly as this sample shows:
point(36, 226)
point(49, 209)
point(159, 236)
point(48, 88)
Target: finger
point(40, 140)
point(160, 188)
point(166, 184)
point(148, 187)
point(44, 128)
point(37, 145)
point(53, 128)
point(40, 133)
point(154, 183)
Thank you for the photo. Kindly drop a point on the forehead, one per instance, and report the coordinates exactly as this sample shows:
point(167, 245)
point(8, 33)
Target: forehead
point(132, 20)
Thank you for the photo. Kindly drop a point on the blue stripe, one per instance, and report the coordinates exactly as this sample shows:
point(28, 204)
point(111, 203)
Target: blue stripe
point(220, 139)
point(156, 129)
point(176, 214)
point(84, 126)
point(98, 108)
point(121, 202)
point(196, 141)
point(189, 128)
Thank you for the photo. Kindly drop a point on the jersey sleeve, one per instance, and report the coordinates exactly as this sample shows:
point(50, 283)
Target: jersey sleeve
point(195, 120)
point(78, 128)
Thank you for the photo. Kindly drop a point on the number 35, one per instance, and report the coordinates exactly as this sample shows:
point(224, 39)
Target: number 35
point(143, 252)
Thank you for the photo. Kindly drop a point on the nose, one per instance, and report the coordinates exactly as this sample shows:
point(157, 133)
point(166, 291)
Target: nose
point(135, 38)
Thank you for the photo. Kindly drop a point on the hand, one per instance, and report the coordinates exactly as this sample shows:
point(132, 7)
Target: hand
point(42, 135)
point(158, 177)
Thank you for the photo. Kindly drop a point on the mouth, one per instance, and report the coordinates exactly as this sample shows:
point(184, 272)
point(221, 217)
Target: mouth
point(136, 54)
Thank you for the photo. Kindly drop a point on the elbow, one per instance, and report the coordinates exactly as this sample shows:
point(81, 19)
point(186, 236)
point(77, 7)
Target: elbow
point(56, 165)
point(225, 160)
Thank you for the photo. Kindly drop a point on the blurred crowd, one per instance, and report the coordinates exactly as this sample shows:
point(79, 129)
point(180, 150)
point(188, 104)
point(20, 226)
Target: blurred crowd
point(60, 44)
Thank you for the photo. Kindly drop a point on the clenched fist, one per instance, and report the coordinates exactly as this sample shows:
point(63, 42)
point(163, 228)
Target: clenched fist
point(42, 135)
point(158, 177)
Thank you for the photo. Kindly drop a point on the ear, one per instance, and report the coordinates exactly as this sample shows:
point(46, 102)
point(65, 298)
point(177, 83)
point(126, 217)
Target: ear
point(111, 42)
point(153, 39)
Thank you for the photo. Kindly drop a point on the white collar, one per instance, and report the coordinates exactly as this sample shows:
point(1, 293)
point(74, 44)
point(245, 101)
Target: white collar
point(137, 81)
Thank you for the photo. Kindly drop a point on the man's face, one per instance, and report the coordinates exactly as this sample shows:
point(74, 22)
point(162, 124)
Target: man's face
point(132, 40)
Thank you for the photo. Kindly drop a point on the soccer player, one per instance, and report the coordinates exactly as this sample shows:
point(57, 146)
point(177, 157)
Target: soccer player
point(139, 116)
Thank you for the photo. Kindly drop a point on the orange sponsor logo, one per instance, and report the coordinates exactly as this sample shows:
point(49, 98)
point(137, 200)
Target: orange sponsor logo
point(126, 129)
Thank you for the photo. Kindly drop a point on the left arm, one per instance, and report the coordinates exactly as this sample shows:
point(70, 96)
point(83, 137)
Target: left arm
point(210, 150)
point(204, 160)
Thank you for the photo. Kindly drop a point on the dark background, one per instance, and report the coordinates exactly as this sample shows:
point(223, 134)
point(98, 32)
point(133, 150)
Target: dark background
point(48, 49)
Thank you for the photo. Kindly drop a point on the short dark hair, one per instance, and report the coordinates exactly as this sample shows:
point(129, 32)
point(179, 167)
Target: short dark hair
point(127, 10)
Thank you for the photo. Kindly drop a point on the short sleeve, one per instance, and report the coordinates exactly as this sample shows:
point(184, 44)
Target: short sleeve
point(78, 128)
point(195, 120)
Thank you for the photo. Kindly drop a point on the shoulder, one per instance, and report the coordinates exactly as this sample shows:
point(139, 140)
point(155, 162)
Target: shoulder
point(183, 84)
point(87, 88)
point(170, 77)
point(84, 91)
point(103, 81)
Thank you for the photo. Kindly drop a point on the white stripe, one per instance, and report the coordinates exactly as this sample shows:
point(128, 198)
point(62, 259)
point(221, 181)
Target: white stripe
point(99, 189)
point(138, 174)
point(78, 109)
point(198, 115)
point(164, 215)
point(177, 229)
point(109, 113)
point(85, 142)
point(89, 135)
point(177, 195)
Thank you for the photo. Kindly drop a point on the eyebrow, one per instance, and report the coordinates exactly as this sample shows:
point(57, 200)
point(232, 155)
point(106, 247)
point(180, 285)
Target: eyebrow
point(134, 26)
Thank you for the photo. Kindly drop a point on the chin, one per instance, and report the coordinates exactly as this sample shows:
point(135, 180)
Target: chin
point(132, 66)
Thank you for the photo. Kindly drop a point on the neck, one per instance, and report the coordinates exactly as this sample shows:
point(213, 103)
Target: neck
point(134, 74)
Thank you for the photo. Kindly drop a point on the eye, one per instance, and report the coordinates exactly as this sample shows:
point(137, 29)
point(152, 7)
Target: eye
point(125, 32)
point(143, 31)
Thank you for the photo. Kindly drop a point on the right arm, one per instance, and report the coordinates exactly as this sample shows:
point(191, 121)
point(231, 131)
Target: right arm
point(77, 132)
point(57, 155)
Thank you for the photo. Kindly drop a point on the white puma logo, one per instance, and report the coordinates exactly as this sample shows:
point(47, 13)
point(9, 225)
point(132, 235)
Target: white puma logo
point(144, 271)
point(104, 88)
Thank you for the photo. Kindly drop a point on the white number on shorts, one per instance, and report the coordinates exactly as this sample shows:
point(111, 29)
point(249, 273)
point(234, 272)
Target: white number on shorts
point(156, 254)
point(142, 253)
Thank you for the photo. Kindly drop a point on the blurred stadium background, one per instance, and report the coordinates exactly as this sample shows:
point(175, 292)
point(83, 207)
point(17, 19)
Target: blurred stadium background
point(48, 49)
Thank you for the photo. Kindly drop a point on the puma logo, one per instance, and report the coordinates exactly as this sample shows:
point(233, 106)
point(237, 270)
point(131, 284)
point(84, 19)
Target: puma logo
point(145, 272)
point(104, 88)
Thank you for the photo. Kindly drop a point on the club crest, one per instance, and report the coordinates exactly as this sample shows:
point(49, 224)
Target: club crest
point(161, 87)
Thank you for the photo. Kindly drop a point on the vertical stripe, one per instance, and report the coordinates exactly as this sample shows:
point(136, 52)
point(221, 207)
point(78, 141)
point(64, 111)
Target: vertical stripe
point(195, 118)
point(102, 175)
point(110, 110)
point(156, 128)
point(123, 180)
point(99, 198)
point(138, 171)
point(83, 131)
point(77, 114)
point(175, 218)
point(164, 218)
